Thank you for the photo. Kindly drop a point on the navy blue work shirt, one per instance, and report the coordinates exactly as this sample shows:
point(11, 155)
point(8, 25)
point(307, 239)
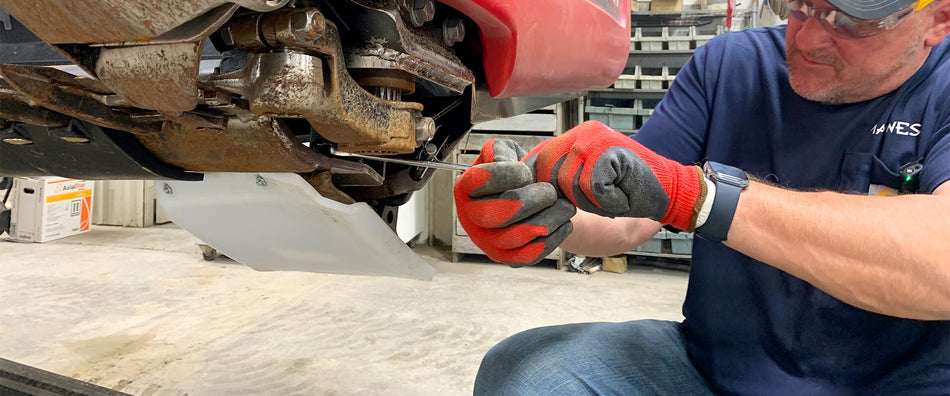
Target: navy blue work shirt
point(751, 328)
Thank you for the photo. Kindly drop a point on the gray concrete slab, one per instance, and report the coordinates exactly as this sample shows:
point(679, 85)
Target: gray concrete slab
point(139, 311)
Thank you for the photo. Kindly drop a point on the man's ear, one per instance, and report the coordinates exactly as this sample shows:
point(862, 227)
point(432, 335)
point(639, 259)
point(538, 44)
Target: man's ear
point(940, 27)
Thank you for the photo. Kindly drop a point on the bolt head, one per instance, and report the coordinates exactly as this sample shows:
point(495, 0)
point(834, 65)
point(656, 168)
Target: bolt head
point(18, 141)
point(425, 129)
point(420, 11)
point(167, 189)
point(453, 30)
point(307, 24)
point(261, 182)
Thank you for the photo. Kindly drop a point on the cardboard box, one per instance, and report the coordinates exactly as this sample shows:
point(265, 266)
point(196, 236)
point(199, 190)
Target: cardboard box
point(49, 208)
point(616, 264)
point(666, 5)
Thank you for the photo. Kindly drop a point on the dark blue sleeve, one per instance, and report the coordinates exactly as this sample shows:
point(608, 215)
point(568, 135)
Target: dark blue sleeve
point(936, 169)
point(678, 127)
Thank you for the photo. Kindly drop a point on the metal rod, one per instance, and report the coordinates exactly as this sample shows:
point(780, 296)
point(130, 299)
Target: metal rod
point(425, 164)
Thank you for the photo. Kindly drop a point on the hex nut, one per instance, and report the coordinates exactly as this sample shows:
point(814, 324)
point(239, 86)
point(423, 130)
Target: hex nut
point(420, 11)
point(307, 24)
point(453, 30)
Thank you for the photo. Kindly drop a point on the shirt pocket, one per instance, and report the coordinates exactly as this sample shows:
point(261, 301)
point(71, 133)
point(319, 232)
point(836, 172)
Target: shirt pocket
point(860, 170)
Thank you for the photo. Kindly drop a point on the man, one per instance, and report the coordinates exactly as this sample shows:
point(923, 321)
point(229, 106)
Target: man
point(804, 280)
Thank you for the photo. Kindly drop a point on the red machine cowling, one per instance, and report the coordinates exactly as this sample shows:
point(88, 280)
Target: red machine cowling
point(536, 48)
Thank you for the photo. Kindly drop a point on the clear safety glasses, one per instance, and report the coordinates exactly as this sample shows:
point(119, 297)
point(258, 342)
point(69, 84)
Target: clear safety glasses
point(846, 25)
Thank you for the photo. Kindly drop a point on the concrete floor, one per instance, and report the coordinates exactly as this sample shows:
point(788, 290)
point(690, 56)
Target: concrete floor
point(139, 311)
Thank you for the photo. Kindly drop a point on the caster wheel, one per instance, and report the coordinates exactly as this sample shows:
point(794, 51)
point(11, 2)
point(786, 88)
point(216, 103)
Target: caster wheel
point(208, 253)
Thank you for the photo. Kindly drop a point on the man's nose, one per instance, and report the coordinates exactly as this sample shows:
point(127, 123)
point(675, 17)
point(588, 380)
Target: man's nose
point(813, 35)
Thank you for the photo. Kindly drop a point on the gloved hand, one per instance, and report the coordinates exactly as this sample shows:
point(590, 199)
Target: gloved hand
point(604, 172)
point(509, 215)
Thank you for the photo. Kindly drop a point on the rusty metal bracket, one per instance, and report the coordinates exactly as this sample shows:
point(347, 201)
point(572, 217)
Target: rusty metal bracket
point(195, 141)
point(122, 21)
point(260, 145)
point(18, 111)
point(160, 77)
point(67, 94)
point(307, 78)
point(384, 42)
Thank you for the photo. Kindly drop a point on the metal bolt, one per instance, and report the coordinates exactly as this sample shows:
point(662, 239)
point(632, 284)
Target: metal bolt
point(18, 141)
point(431, 150)
point(167, 189)
point(11, 135)
point(420, 11)
point(261, 182)
point(453, 30)
point(425, 129)
point(307, 25)
point(73, 133)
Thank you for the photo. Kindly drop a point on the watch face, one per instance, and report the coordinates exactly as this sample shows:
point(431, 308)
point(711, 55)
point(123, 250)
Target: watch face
point(730, 179)
point(726, 174)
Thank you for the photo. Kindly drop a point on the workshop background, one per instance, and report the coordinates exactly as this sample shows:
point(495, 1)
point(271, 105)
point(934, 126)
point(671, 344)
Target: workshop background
point(131, 302)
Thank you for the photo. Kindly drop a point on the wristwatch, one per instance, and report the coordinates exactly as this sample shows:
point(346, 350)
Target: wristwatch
point(730, 182)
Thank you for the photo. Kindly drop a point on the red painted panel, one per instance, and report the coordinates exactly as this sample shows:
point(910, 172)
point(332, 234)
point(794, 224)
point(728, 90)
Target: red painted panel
point(540, 47)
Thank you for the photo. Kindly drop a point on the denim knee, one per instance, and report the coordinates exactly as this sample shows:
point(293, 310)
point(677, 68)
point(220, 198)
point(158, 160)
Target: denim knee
point(525, 363)
point(639, 357)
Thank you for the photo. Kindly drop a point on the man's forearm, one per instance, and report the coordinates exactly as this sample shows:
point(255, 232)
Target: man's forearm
point(597, 236)
point(889, 255)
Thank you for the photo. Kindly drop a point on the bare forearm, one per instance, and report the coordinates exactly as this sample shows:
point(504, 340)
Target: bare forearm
point(597, 236)
point(889, 255)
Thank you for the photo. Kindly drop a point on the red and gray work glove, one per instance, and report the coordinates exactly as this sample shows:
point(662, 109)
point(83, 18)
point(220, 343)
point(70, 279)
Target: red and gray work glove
point(604, 172)
point(509, 215)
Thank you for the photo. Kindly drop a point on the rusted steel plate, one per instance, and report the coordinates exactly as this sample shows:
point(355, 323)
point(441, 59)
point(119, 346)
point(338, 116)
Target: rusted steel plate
point(63, 93)
point(15, 110)
point(159, 77)
point(262, 144)
point(114, 21)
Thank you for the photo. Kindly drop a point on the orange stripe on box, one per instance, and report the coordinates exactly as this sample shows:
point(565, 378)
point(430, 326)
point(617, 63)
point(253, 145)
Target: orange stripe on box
point(67, 196)
point(61, 181)
point(84, 214)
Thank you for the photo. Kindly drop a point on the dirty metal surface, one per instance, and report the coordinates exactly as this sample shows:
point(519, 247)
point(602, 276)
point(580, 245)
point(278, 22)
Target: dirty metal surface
point(159, 77)
point(261, 144)
point(285, 84)
point(382, 127)
point(323, 183)
point(104, 154)
point(64, 93)
point(386, 43)
point(192, 141)
point(115, 21)
point(18, 111)
point(308, 79)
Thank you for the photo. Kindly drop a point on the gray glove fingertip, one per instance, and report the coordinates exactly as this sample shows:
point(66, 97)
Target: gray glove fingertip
point(551, 242)
point(507, 150)
point(553, 216)
point(505, 176)
point(534, 198)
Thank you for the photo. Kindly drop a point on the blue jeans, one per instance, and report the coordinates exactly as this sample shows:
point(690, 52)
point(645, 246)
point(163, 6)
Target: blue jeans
point(644, 357)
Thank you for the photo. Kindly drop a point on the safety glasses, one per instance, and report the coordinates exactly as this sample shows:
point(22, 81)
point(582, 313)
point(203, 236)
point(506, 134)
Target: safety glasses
point(846, 25)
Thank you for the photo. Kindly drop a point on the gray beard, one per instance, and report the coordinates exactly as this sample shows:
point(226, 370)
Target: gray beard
point(828, 95)
point(845, 92)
